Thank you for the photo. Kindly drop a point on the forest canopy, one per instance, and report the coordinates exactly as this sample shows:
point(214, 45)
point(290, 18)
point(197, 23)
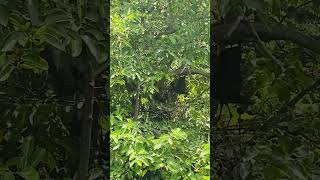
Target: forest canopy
point(160, 89)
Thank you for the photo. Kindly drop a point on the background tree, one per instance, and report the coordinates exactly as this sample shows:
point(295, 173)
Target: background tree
point(53, 67)
point(276, 136)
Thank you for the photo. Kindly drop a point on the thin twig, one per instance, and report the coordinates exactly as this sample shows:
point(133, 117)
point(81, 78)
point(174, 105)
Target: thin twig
point(295, 100)
point(234, 26)
point(263, 47)
point(303, 4)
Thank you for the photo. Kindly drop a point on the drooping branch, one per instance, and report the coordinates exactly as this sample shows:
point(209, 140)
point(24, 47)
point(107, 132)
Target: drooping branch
point(264, 49)
point(244, 34)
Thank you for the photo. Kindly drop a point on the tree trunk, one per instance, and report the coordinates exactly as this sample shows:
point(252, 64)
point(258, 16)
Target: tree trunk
point(86, 125)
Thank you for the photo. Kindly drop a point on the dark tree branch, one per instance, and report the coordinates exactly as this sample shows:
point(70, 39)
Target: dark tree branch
point(303, 4)
point(86, 127)
point(244, 34)
point(263, 47)
point(291, 104)
point(305, 91)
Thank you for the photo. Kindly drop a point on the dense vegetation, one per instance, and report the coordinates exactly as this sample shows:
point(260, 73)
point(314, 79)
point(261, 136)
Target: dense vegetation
point(161, 131)
point(160, 89)
point(274, 131)
point(54, 89)
point(52, 67)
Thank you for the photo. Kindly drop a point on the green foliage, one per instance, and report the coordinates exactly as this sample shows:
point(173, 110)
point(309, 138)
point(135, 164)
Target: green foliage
point(26, 162)
point(29, 105)
point(169, 139)
point(276, 136)
point(137, 151)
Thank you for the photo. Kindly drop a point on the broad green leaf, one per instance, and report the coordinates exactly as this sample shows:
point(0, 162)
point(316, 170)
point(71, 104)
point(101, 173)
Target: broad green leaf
point(92, 15)
point(102, 8)
point(247, 116)
point(116, 147)
point(145, 161)
point(271, 173)
point(157, 146)
point(284, 143)
point(5, 73)
point(254, 4)
point(50, 161)
point(7, 176)
point(10, 41)
point(103, 54)
point(17, 21)
point(27, 149)
point(282, 90)
point(34, 11)
point(144, 172)
point(99, 69)
point(139, 162)
point(132, 163)
point(206, 177)
point(37, 156)
point(29, 173)
point(4, 61)
point(243, 171)
point(172, 39)
point(178, 134)
point(170, 141)
point(92, 45)
point(316, 3)
point(224, 7)
point(81, 8)
point(95, 173)
point(76, 47)
point(55, 42)
point(23, 39)
point(57, 16)
point(32, 61)
point(105, 125)
point(3, 15)
point(13, 161)
point(297, 172)
point(51, 35)
point(97, 34)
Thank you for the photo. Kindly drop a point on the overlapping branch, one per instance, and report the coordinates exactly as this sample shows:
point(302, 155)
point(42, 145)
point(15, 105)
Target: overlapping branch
point(276, 32)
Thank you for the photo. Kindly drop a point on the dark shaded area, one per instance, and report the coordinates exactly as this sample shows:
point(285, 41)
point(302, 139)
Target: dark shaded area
point(181, 85)
point(227, 76)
